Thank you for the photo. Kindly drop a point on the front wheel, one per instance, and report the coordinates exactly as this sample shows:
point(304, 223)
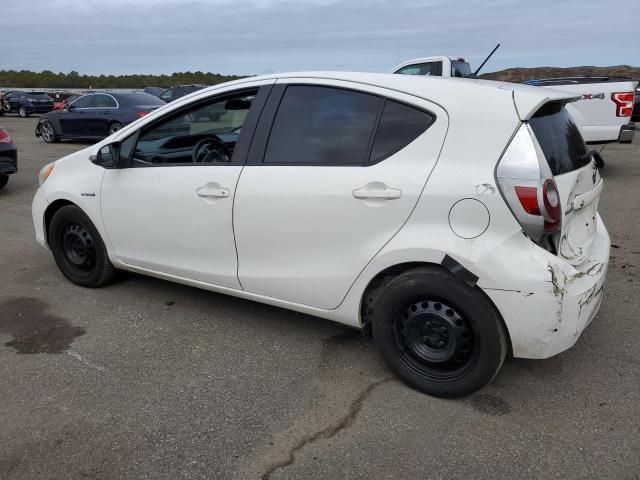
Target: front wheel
point(114, 127)
point(48, 132)
point(4, 179)
point(436, 333)
point(78, 248)
point(23, 112)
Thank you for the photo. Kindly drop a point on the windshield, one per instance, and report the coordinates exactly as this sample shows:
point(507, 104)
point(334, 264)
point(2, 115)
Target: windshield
point(460, 69)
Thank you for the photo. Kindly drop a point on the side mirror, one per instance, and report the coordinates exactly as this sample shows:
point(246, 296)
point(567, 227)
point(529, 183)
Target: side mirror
point(107, 156)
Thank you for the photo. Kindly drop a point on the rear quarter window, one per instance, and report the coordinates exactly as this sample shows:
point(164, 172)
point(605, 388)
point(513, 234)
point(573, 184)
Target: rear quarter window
point(399, 126)
point(559, 138)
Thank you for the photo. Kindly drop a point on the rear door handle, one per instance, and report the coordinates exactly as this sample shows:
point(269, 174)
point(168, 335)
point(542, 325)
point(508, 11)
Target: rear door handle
point(212, 191)
point(377, 191)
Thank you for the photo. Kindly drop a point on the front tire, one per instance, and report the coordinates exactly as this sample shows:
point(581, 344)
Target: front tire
point(4, 179)
point(78, 248)
point(23, 112)
point(436, 333)
point(48, 132)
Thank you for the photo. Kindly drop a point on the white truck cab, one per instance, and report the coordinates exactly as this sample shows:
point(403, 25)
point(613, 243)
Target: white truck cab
point(434, 66)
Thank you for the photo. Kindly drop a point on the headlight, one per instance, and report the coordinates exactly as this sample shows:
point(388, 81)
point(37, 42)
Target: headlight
point(45, 172)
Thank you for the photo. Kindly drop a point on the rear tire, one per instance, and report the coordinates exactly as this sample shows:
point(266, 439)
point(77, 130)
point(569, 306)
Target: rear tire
point(48, 132)
point(4, 179)
point(436, 333)
point(23, 112)
point(78, 248)
point(114, 127)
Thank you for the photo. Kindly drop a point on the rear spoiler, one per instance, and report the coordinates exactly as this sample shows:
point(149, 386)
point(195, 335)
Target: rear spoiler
point(527, 100)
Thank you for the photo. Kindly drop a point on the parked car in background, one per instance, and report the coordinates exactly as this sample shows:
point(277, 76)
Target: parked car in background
point(8, 157)
point(155, 91)
point(63, 103)
point(173, 93)
point(335, 194)
point(26, 103)
point(95, 116)
point(603, 107)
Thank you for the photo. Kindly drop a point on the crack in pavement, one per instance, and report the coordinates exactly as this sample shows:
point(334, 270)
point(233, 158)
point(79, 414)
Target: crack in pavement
point(328, 432)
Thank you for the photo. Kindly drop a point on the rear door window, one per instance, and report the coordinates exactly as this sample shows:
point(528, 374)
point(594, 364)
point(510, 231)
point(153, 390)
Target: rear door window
point(559, 138)
point(322, 126)
point(104, 101)
point(83, 102)
point(399, 126)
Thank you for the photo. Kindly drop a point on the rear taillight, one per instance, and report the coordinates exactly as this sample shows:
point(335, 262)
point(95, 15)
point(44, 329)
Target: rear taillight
point(4, 136)
point(624, 103)
point(527, 184)
point(141, 114)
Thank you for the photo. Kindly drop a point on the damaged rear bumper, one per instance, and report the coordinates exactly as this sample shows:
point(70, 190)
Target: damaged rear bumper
point(546, 302)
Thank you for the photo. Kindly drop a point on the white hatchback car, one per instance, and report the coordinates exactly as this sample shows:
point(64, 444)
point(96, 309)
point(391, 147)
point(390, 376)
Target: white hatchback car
point(456, 218)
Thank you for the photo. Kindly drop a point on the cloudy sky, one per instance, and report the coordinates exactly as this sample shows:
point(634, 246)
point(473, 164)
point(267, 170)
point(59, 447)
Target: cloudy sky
point(263, 36)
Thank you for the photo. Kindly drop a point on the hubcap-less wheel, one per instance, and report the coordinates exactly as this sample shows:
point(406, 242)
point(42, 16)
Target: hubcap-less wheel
point(78, 247)
point(47, 132)
point(114, 128)
point(434, 340)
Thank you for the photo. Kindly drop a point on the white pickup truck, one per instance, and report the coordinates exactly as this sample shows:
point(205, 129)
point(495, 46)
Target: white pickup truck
point(602, 109)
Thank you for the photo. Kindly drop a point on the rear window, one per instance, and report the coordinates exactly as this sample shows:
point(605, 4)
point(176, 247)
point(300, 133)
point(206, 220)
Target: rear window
point(140, 99)
point(460, 69)
point(399, 126)
point(559, 138)
point(38, 95)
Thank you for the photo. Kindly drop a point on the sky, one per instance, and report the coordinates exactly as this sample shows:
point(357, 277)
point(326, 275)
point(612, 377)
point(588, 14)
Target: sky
point(264, 36)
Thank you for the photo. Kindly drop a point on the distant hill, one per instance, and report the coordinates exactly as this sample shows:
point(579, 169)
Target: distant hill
point(519, 74)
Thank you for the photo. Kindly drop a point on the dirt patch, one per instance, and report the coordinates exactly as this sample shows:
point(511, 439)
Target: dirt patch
point(33, 329)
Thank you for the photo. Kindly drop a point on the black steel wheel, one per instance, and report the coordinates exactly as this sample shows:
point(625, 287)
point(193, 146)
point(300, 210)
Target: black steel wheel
point(78, 248)
point(438, 334)
point(434, 340)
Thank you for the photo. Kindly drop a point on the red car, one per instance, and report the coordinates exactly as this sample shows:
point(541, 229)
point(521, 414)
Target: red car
point(60, 103)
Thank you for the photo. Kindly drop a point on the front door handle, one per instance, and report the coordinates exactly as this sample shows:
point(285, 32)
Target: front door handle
point(212, 190)
point(377, 191)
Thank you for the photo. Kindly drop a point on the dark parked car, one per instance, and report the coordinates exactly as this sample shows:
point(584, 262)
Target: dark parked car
point(26, 103)
point(95, 116)
point(8, 157)
point(173, 93)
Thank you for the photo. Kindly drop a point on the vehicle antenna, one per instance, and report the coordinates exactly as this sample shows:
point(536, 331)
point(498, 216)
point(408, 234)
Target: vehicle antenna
point(475, 74)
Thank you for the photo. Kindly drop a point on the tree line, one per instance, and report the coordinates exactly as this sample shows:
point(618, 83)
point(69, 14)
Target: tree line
point(49, 79)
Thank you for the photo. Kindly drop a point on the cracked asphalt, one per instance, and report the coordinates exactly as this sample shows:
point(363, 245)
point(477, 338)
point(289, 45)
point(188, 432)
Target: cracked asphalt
point(146, 379)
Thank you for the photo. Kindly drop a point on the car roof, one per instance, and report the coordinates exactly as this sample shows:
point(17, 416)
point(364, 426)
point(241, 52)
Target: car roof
point(446, 91)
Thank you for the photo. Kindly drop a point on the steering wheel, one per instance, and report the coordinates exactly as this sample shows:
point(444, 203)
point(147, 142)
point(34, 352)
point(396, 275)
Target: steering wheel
point(210, 150)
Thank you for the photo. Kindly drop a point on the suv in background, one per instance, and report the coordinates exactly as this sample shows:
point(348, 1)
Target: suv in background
point(173, 93)
point(26, 103)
